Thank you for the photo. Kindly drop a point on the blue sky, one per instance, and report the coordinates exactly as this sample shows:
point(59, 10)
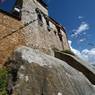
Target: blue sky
point(78, 17)
point(6, 5)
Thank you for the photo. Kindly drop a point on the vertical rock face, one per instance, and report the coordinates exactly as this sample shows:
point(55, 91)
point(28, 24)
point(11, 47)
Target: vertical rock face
point(14, 33)
point(41, 74)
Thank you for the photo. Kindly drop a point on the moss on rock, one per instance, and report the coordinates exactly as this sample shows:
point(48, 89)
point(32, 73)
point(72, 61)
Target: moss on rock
point(3, 81)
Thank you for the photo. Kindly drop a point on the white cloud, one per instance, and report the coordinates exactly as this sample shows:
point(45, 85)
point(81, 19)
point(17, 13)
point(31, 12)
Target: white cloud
point(86, 55)
point(82, 40)
point(83, 27)
point(80, 17)
point(74, 50)
point(89, 55)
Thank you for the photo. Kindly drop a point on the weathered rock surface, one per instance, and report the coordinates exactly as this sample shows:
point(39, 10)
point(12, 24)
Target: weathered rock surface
point(84, 67)
point(41, 74)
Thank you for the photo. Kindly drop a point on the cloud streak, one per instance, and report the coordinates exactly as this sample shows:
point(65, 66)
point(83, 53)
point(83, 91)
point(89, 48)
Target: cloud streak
point(86, 54)
point(82, 27)
point(80, 17)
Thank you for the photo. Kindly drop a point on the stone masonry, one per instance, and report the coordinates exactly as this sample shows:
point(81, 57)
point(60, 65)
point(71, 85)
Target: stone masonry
point(29, 32)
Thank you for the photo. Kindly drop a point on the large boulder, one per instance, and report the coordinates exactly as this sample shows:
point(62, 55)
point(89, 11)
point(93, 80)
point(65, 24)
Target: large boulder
point(35, 73)
point(77, 63)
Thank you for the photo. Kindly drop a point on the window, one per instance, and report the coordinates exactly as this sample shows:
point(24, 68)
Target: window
point(59, 34)
point(12, 7)
point(39, 16)
point(48, 25)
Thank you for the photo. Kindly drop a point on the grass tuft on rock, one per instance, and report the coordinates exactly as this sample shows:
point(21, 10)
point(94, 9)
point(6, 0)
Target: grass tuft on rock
point(3, 81)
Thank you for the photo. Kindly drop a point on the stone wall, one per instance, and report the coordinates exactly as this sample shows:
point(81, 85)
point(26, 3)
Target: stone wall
point(8, 39)
point(14, 33)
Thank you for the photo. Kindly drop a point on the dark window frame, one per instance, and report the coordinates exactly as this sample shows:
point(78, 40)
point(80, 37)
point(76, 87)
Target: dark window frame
point(48, 24)
point(39, 17)
point(16, 10)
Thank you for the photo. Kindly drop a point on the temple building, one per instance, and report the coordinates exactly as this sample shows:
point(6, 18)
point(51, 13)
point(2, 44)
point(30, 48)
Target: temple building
point(26, 22)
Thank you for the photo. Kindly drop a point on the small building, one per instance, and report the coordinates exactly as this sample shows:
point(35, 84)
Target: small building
point(26, 22)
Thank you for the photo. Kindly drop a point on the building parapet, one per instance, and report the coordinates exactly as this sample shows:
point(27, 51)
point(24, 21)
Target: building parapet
point(52, 21)
point(43, 3)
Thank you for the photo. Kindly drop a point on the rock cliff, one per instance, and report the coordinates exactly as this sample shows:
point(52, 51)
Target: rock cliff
point(77, 63)
point(39, 74)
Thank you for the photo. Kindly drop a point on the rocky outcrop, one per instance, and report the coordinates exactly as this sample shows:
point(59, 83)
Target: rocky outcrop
point(35, 73)
point(78, 64)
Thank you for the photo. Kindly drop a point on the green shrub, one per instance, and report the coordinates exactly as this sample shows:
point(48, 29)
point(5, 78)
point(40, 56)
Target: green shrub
point(3, 81)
